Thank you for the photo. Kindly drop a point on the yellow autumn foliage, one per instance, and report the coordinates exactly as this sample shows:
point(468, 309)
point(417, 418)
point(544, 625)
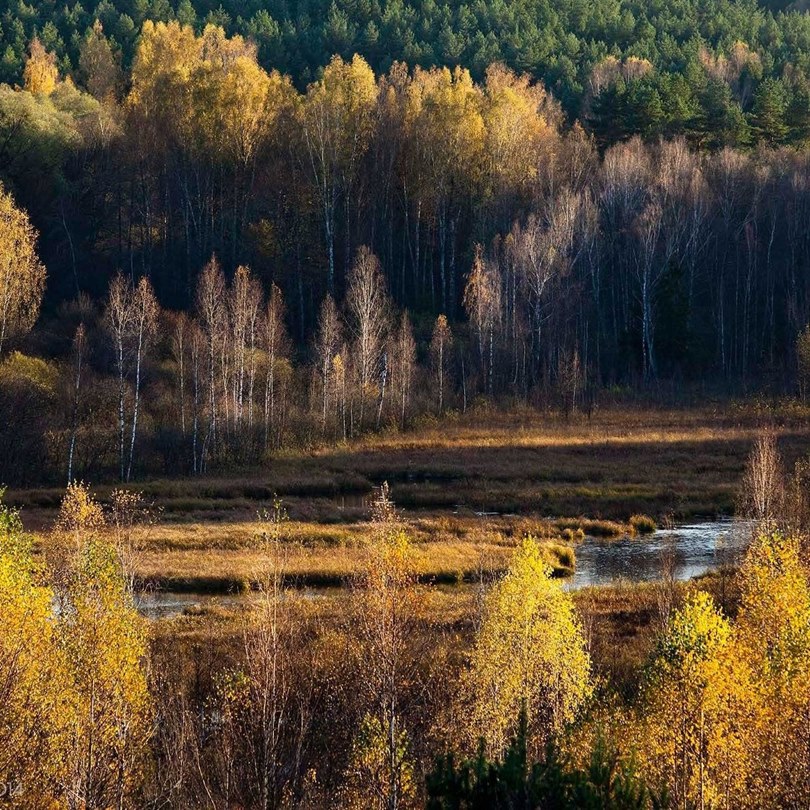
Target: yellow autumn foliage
point(700, 717)
point(726, 708)
point(35, 701)
point(105, 640)
point(521, 127)
point(445, 128)
point(530, 651)
point(22, 275)
point(75, 714)
point(40, 75)
point(381, 770)
point(207, 93)
point(338, 111)
point(773, 629)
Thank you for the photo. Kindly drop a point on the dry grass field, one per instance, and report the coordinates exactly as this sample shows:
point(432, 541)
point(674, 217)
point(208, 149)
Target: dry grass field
point(621, 624)
point(468, 490)
point(621, 461)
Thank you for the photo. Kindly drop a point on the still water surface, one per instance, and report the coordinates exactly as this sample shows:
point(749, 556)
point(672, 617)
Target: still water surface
point(684, 551)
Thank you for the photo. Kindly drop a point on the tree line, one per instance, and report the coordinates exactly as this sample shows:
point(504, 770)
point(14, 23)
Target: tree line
point(558, 44)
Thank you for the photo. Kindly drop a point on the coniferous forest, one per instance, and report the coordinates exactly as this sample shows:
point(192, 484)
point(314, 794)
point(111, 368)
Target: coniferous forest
point(405, 404)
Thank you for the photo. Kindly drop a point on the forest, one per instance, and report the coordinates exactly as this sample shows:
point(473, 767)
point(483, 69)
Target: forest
point(236, 266)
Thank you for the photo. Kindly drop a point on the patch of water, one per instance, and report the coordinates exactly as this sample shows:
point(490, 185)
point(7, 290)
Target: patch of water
point(168, 605)
point(683, 552)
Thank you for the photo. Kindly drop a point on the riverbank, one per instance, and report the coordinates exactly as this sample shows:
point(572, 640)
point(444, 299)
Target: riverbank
point(679, 553)
point(621, 622)
point(468, 492)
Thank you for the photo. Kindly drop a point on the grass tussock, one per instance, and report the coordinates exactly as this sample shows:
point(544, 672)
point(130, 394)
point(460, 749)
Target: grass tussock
point(573, 535)
point(562, 558)
point(592, 527)
point(642, 524)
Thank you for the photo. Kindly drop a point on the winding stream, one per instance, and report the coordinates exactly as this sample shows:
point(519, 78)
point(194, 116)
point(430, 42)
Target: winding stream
point(683, 552)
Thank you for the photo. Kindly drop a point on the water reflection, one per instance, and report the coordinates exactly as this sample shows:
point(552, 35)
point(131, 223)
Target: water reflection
point(168, 604)
point(684, 551)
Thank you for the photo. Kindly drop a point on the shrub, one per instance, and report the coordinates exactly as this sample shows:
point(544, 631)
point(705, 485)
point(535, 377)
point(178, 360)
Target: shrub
point(609, 781)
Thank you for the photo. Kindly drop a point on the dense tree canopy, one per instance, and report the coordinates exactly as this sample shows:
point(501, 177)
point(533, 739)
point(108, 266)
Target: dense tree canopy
point(646, 219)
point(558, 42)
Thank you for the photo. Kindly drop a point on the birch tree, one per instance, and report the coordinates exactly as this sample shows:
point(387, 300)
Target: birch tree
point(264, 702)
point(446, 136)
point(197, 343)
point(482, 300)
point(328, 339)
point(41, 74)
point(106, 642)
point(276, 346)
point(386, 598)
point(79, 349)
point(119, 322)
point(369, 307)
point(244, 304)
point(179, 350)
point(403, 362)
point(529, 654)
point(337, 121)
point(440, 345)
point(211, 308)
point(145, 311)
point(22, 275)
point(699, 711)
point(544, 249)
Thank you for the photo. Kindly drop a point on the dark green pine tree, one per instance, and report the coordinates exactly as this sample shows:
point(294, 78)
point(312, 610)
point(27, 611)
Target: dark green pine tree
point(609, 782)
point(797, 115)
point(644, 110)
point(680, 105)
point(607, 118)
point(769, 112)
point(721, 121)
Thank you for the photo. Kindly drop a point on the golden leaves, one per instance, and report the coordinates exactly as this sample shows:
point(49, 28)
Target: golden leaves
point(726, 704)
point(22, 275)
point(75, 710)
point(207, 93)
point(41, 74)
point(530, 652)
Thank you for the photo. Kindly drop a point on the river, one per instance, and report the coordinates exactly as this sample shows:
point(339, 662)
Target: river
point(682, 552)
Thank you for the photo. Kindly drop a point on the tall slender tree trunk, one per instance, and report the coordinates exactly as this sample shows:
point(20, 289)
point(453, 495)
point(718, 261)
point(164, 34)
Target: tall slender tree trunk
point(136, 401)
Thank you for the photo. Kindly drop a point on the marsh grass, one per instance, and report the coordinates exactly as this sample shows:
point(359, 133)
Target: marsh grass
point(642, 524)
point(621, 462)
point(470, 489)
point(218, 570)
point(224, 556)
point(594, 528)
point(621, 623)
